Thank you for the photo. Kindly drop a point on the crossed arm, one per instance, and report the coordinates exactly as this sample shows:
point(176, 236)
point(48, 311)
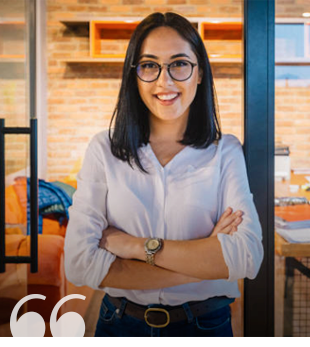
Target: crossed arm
point(178, 262)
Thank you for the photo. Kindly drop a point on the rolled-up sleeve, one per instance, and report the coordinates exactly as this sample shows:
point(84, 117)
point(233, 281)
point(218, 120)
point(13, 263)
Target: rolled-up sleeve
point(85, 262)
point(243, 250)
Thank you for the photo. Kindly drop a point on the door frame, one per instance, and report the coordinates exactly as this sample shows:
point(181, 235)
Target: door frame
point(259, 64)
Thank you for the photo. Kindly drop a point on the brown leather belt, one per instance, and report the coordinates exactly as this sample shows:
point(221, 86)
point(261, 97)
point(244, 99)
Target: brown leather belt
point(159, 316)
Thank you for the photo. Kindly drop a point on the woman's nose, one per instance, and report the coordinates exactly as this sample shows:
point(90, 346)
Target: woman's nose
point(164, 77)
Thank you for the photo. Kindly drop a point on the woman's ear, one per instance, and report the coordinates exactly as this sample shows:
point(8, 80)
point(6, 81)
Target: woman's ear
point(200, 75)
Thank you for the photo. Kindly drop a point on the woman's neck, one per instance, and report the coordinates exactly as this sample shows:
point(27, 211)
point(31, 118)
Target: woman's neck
point(167, 130)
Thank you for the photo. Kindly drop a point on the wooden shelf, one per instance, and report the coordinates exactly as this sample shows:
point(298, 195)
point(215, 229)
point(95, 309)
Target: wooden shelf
point(287, 249)
point(12, 58)
point(11, 22)
point(70, 22)
point(7, 27)
point(221, 31)
point(117, 31)
point(106, 31)
point(121, 60)
point(94, 60)
point(295, 61)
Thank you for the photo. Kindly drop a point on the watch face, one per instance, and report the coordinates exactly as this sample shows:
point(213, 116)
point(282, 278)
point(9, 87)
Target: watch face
point(152, 244)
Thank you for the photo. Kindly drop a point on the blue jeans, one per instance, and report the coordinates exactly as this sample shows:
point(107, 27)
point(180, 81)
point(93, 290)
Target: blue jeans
point(112, 322)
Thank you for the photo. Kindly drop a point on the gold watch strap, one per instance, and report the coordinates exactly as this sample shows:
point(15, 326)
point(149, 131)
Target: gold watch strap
point(150, 259)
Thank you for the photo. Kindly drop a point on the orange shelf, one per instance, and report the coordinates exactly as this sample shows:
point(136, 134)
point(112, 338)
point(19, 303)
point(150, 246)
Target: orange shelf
point(101, 31)
point(107, 36)
point(11, 22)
point(221, 31)
point(12, 56)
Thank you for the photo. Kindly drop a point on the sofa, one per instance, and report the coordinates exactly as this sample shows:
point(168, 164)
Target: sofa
point(50, 279)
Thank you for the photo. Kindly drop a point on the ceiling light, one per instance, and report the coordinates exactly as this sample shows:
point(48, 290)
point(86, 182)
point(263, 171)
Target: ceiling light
point(306, 14)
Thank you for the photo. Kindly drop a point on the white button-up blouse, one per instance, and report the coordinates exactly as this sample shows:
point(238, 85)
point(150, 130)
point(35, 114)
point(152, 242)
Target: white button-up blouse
point(182, 200)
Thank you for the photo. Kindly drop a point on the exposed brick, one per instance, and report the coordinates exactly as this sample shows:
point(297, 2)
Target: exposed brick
point(154, 2)
point(82, 97)
point(88, 2)
point(121, 10)
point(110, 2)
point(133, 2)
point(176, 2)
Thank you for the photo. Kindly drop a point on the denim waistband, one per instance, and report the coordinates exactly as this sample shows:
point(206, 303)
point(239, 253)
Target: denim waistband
point(186, 311)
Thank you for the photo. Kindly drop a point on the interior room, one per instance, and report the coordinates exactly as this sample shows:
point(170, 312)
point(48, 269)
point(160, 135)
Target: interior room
point(76, 73)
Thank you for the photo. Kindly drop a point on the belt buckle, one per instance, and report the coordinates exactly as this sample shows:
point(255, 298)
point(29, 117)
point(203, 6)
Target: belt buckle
point(157, 309)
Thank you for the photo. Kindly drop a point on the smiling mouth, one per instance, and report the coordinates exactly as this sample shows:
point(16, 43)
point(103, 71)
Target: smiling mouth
point(167, 97)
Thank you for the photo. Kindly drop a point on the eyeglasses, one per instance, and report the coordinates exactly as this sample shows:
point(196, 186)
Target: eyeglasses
point(179, 70)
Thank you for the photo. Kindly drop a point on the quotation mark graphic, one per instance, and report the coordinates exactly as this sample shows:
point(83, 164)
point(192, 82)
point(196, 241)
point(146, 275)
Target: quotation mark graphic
point(31, 324)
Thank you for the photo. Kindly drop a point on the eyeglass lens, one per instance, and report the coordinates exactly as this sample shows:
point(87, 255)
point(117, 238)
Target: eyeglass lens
point(179, 70)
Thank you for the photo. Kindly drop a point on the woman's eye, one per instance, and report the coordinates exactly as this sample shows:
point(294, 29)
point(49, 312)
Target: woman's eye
point(148, 65)
point(179, 63)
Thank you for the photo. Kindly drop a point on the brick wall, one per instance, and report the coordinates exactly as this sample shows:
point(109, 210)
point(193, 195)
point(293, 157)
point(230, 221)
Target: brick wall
point(292, 122)
point(81, 97)
point(13, 108)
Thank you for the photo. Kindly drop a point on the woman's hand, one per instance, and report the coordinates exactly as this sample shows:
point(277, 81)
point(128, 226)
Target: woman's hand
point(228, 223)
point(119, 243)
point(126, 246)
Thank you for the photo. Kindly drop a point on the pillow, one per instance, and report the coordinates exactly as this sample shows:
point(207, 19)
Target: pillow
point(14, 213)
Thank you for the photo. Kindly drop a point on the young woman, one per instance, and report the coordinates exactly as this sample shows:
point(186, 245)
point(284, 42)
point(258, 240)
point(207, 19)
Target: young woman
point(163, 219)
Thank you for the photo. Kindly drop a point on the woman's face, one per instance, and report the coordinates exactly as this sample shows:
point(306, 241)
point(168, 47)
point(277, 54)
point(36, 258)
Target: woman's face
point(168, 99)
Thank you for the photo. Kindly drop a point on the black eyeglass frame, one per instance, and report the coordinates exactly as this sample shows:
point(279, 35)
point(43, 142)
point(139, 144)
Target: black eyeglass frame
point(160, 66)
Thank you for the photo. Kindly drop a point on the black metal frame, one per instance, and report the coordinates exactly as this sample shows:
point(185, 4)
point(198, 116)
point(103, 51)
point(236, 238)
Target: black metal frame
point(291, 264)
point(32, 131)
point(259, 26)
point(33, 258)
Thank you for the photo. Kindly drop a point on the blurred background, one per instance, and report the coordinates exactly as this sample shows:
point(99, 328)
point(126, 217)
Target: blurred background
point(80, 48)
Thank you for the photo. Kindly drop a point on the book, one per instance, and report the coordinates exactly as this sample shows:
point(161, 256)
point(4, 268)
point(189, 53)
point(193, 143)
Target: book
point(292, 217)
point(295, 235)
point(301, 171)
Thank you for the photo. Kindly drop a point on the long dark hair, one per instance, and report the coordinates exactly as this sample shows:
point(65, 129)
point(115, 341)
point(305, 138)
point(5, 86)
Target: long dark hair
point(131, 127)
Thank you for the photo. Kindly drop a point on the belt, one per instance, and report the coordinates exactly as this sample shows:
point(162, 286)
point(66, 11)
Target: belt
point(160, 316)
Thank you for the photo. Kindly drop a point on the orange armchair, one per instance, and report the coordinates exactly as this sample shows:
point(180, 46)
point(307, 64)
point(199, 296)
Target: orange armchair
point(50, 279)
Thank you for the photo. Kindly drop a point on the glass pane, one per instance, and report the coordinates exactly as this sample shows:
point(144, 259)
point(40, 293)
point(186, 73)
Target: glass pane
point(13, 108)
point(292, 171)
point(289, 41)
point(13, 63)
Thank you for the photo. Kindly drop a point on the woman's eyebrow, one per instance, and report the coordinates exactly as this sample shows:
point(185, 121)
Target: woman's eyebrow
point(179, 55)
point(152, 56)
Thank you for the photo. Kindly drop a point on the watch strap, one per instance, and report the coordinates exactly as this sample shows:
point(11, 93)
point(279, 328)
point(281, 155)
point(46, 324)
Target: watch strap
point(150, 258)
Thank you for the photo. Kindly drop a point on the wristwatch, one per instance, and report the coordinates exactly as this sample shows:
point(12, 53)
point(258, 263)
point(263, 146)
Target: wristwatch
point(152, 246)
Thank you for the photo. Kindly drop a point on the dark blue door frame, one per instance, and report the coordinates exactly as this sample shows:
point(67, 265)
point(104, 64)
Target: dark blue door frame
point(259, 62)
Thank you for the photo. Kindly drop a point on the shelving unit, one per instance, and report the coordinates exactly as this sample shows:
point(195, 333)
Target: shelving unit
point(11, 58)
point(110, 36)
point(103, 33)
point(7, 53)
point(216, 30)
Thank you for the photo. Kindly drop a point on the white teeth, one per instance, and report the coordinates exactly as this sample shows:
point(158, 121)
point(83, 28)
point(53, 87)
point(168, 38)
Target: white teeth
point(167, 96)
